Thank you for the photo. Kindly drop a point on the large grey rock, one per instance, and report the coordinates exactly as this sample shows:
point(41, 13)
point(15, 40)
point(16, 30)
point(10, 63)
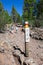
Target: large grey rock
point(19, 56)
point(37, 34)
point(29, 61)
point(16, 52)
point(22, 58)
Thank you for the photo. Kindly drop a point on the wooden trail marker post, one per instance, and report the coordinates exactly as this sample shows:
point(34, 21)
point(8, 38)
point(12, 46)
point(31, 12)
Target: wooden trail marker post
point(27, 38)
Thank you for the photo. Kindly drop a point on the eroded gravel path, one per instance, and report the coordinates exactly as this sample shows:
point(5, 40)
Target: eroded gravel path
point(17, 39)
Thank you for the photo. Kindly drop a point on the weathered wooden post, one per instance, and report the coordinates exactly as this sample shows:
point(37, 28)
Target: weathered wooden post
point(27, 38)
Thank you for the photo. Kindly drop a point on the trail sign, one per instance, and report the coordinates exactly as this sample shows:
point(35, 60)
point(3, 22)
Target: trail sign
point(27, 32)
point(27, 38)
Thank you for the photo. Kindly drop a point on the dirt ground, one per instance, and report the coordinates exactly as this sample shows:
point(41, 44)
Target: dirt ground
point(17, 39)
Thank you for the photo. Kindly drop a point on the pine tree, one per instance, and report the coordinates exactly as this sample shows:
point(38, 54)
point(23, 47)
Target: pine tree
point(28, 9)
point(13, 13)
point(40, 8)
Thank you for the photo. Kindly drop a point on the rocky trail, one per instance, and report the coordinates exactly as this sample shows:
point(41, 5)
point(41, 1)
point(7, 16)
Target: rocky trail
point(12, 49)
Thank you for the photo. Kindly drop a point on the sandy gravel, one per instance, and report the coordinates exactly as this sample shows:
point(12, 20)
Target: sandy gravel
point(17, 39)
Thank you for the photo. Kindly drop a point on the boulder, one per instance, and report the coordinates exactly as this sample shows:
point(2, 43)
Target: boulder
point(19, 56)
point(37, 34)
point(29, 61)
